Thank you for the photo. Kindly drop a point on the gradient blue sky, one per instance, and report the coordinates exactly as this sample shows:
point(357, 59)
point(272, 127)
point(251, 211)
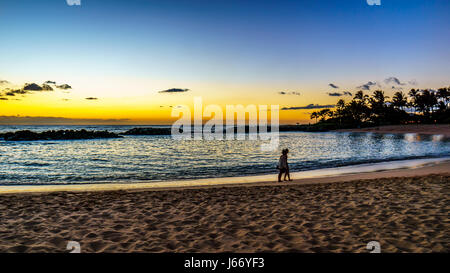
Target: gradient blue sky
point(231, 51)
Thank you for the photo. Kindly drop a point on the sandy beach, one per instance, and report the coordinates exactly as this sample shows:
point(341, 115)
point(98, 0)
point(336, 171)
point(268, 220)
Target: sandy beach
point(425, 129)
point(404, 210)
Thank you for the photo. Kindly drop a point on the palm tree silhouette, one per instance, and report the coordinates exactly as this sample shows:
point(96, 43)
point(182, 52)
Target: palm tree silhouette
point(426, 106)
point(413, 93)
point(399, 100)
point(314, 115)
point(444, 94)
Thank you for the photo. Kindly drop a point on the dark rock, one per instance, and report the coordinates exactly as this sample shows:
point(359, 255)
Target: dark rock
point(27, 135)
point(148, 131)
point(167, 131)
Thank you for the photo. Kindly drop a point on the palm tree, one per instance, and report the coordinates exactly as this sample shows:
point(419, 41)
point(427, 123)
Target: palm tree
point(432, 101)
point(314, 115)
point(356, 111)
point(340, 108)
point(330, 114)
point(324, 113)
point(340, 104)
point(426, 101)
point(377, 106)
point(444, 95)
point(442, 106)
point(359, 104)
point(414, 94)
point(378, 99)
point(399, 100)
point(361, 97)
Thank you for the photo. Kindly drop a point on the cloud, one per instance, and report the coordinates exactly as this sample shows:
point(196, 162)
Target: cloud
point(413, 82)
point(309, 106)
point(36, 87)
point(11, 93)
point(333, 85)
point(289, 93)
point(46, 87)
point(335, 94)
point(174, 90)
point(338, 94)
point(367, 85)
point(32, 87)
point(91, 98)
point(29, 88)
point(397, 88)
point(64, 86)
point(393, 80)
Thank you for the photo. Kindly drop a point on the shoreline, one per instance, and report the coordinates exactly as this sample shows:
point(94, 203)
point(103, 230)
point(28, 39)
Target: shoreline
point(419, 129)
point(388, 169)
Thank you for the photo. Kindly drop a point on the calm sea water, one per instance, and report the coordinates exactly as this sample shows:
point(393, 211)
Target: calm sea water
point(159, 158)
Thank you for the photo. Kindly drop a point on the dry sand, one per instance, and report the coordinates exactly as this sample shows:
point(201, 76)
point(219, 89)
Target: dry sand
point(426, 129)
point(406, 214)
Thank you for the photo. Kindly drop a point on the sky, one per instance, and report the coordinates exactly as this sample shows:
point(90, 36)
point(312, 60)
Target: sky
point(117, 56)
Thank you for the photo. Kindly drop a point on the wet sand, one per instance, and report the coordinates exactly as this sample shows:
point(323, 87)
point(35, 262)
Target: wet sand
point(425, 129)
point(403, 212)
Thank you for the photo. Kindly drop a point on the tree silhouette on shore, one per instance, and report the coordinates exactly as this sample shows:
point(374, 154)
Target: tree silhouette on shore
point(419, 106)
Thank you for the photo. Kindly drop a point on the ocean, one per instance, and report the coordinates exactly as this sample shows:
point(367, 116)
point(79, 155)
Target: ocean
point(160, 158)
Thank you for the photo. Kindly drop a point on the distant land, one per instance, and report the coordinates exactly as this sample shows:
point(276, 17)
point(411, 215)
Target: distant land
point(26, 120)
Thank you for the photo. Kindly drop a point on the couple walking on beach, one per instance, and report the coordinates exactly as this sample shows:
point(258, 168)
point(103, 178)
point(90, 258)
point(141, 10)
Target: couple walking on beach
point(283, 166)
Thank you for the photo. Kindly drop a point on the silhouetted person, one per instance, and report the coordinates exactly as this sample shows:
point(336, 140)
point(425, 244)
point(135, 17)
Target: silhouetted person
point(283, 166)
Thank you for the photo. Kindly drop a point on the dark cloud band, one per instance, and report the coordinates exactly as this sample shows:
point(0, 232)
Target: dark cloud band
point(338, 94)
point(30, 87)
point(64, 86)
point(174, 90)
point(309, 106)
point(289, 93)
point(367, 85)
point(393, 80)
